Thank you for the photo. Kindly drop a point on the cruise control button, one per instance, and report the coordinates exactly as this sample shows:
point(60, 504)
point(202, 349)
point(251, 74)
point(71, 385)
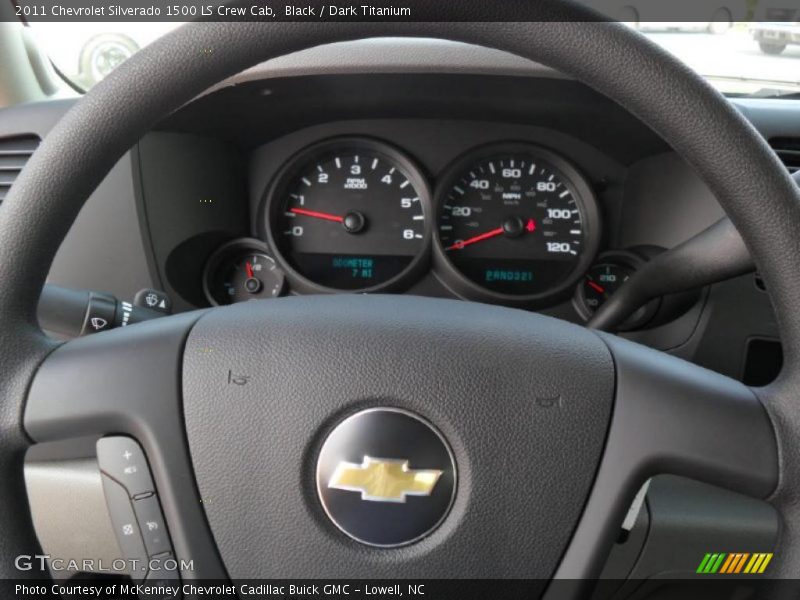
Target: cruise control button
point(121, 458)
point(126, 528)
point(151, 523)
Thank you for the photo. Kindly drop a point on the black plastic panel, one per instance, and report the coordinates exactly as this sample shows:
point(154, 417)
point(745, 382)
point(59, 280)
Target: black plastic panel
point(559, 104)
point(193, 199)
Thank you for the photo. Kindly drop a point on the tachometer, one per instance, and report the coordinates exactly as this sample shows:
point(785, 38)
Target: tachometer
point(349, 214)
point(516, 224)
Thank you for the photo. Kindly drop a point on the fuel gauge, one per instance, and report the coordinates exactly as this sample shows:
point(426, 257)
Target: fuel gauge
point(241, 270)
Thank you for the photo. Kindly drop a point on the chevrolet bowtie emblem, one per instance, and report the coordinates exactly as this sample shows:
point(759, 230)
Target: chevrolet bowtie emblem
point(385, 484)
point(384, 479)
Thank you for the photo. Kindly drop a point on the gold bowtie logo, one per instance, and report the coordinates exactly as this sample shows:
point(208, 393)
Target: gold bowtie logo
point(384, 479)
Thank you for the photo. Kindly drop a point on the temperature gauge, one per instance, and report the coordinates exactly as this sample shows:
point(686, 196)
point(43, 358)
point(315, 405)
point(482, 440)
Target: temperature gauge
point(601, 281)
point(239, 271)
point(604, 278)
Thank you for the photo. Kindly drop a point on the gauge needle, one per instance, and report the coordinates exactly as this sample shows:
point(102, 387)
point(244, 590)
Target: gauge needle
point(478, 238)
point(249, 268)
point(596, 287)
point(316, 215)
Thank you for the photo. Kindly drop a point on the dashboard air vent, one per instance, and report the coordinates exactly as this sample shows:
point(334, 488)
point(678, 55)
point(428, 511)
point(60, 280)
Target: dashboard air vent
point(788, 150)
point(14, 153)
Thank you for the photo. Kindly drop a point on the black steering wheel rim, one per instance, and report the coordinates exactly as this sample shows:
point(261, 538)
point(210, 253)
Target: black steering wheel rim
point(701, 125)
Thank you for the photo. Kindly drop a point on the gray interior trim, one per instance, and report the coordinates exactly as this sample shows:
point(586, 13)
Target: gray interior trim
point(70, 513)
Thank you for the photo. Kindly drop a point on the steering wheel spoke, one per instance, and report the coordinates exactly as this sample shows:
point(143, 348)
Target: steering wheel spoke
point(670, 416)
point(127, 382)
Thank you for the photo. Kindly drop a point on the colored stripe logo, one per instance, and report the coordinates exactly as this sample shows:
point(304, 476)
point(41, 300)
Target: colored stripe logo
point(734, 563)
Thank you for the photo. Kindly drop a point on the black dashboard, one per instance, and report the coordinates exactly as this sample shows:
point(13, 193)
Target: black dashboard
point(409, 184)
point(529, 191)
point(511, 212)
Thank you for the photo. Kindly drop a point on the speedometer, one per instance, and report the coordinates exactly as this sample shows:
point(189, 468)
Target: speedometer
point(516, 224)
point(349, 214)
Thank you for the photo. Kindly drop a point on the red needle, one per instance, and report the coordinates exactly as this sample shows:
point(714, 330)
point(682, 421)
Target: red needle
point(249, 268)
point(478, 238)
point(316, 215)
point(596, 287)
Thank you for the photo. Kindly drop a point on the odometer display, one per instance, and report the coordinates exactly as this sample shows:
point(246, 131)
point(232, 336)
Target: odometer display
point(518, 223)
point(350, 215)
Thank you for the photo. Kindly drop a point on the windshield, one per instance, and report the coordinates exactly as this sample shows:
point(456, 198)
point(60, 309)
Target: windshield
point(755, 59)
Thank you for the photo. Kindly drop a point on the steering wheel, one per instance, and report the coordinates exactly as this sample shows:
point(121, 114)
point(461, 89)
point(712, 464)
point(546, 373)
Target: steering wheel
point(550, 428)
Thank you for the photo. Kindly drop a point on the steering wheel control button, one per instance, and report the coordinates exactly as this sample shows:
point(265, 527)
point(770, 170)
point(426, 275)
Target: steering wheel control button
point(151, 523)
point(133, 505)
point(122, 459)
point(126, 527)
point(386, 477)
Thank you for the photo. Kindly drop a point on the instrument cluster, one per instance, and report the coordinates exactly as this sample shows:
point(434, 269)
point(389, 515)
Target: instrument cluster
point(508, 223)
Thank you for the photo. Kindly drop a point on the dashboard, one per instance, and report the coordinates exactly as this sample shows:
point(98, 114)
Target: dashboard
point(412, 168)
point(394, 185)
point(527, 211)
point(506, 222)
point(512, 221)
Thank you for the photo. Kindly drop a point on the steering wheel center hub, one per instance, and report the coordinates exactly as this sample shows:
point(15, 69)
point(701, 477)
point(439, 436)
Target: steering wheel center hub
point(300, 456)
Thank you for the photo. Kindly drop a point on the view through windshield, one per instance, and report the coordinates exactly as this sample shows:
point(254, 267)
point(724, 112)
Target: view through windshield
point(761, 59)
